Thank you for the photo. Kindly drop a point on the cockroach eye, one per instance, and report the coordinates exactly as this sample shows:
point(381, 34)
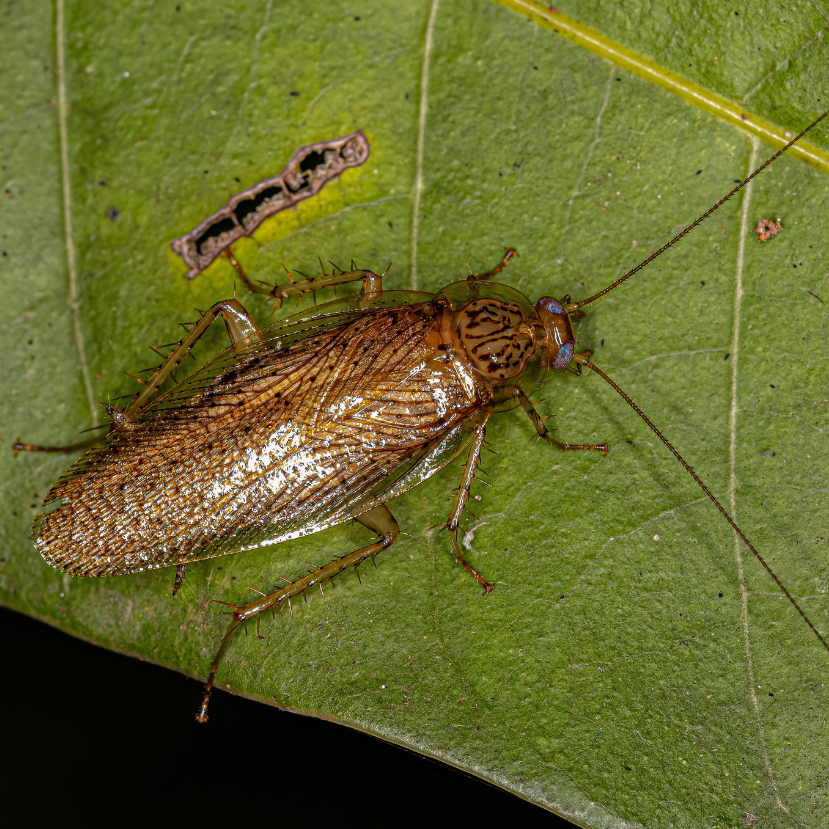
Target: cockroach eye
point(561, 341)
point(564, 356)
point(552, 305)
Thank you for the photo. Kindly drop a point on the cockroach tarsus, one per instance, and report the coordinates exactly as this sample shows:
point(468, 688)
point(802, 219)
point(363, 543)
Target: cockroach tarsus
point(316, 420)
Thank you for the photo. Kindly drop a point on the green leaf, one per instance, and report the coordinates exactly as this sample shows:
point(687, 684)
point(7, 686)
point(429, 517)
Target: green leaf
point(627, 667)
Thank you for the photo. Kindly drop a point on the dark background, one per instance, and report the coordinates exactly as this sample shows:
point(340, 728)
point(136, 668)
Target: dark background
point(87, 732)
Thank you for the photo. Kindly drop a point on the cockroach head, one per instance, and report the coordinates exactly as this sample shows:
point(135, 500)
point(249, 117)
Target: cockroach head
point(561, 341)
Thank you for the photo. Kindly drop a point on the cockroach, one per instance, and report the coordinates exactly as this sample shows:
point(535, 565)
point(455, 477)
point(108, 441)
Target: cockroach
point(316, 420)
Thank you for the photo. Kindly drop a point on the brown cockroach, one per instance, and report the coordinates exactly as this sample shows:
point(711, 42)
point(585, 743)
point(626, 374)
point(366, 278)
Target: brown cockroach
point(316, 420)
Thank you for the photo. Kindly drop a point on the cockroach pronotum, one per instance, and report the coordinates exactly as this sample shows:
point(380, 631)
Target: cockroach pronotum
point(316, 420)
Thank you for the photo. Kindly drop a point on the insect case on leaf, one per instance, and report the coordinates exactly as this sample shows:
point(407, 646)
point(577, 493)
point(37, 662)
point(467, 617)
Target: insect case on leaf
point(313, 421)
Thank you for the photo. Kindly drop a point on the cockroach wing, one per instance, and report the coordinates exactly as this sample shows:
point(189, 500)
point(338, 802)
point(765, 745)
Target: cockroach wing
point(296, 332)
point(430, 460)
point(329, 416)
point(361, 497)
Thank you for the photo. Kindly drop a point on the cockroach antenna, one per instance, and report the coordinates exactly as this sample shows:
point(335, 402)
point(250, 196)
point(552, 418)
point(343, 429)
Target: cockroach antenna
point(570, 307)
point(583, 360)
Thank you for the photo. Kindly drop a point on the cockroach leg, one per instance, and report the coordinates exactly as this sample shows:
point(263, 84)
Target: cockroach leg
point(17, 446)
point(372, 283)
point(244, 335)
point(508, 254)
point(542, 431)
point(371, 291)
point(243, 332)
point(180, 570)
point(379, 520)
point(472, 461)
point(228, 252)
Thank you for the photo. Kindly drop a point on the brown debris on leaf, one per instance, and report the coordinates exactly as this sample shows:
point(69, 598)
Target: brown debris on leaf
point(766, 228)
point(310, 168)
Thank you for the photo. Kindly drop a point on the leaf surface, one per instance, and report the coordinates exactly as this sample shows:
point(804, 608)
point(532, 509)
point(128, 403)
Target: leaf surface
point(627, 669)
